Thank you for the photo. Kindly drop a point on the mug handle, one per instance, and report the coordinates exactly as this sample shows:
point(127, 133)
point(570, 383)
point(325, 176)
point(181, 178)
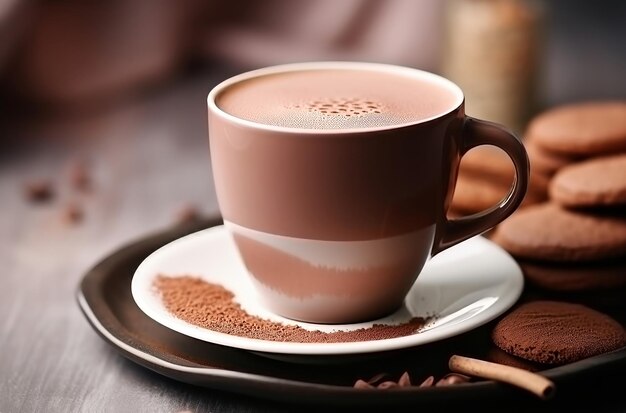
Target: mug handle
point(474, 133)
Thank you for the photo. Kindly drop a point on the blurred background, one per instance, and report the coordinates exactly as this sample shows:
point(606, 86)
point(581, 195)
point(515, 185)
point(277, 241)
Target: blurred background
point(103, 137)
point(68, 52)
point(112, 94)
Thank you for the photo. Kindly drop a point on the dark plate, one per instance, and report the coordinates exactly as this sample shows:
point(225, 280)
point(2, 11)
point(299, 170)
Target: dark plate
point(105, 298)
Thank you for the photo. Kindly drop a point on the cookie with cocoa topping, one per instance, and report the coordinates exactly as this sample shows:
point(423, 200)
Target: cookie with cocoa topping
point(545, 162)
point(474, 194)
point(598, 182)
point(552, 332)
point(581, 129)
point(496, 355)
point(485, 177)
point(488, 161)
point(551, 233)
point(491, 164)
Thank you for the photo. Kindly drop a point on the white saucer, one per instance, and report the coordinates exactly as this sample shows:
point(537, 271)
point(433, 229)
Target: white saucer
point(465, 286)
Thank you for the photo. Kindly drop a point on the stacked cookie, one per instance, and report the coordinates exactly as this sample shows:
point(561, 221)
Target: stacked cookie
point(575, 242)
point(571, 133)
point(485, 177)
point(555, 139)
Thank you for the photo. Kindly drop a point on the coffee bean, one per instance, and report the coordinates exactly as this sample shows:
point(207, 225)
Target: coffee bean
point(360, 384)
point(404, 380)
point(380, 377)
point(428, 382)
point(452, 379)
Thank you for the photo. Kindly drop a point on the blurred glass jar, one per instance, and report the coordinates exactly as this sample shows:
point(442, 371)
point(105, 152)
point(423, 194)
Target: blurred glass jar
point(492, 51)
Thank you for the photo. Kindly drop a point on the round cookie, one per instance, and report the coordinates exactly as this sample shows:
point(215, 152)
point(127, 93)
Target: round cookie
point(538, 185)
point(579, 277)
point(488, 161)
point(485, 177)
point(496, 355)
point(545, 162)
point(492, 164)
point(585, 129)
point(551, 332)
point(474, 194)
point(598, 182)
point(549, 232)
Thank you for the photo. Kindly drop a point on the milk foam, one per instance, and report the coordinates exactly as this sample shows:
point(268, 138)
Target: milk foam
point(336, 99)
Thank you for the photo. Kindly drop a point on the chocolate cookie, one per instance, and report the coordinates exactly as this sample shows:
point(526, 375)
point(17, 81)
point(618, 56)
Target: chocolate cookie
point(594, 183)
point(579, 277)
point(496, 355)
point(474, 194)
point(492, 164)
point(585, 129)
point(538, 186)
point(485, 177)
point(549, 232)
point(551, 332)
point(489, 162)
point(546, 162)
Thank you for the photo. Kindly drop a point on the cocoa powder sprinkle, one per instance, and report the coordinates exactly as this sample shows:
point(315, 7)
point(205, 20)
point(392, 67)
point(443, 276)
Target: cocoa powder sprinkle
point(212, 306)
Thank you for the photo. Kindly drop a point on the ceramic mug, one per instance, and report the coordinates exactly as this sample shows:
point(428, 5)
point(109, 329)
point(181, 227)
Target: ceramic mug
point(335, 224)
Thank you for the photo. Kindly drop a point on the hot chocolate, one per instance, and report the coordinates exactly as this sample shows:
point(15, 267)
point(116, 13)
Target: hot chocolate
point(334, 179)
point(337, 99)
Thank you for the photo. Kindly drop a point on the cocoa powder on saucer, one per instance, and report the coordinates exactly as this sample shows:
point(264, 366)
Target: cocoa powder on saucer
point(213, 307)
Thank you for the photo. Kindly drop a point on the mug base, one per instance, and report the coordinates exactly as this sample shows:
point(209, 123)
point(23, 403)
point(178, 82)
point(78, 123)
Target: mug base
point(332, 282)
point(328, 309)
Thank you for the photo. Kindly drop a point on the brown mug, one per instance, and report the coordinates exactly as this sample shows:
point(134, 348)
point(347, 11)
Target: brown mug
point(335, 207)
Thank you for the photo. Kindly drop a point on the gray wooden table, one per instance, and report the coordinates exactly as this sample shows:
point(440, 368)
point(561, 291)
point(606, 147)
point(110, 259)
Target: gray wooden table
point(149, 157)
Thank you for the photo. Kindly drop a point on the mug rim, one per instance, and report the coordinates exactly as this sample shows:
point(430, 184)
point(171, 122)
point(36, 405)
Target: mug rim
point(340, 65)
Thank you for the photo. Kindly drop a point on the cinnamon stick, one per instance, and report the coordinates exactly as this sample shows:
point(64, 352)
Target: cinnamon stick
point(523, 379)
